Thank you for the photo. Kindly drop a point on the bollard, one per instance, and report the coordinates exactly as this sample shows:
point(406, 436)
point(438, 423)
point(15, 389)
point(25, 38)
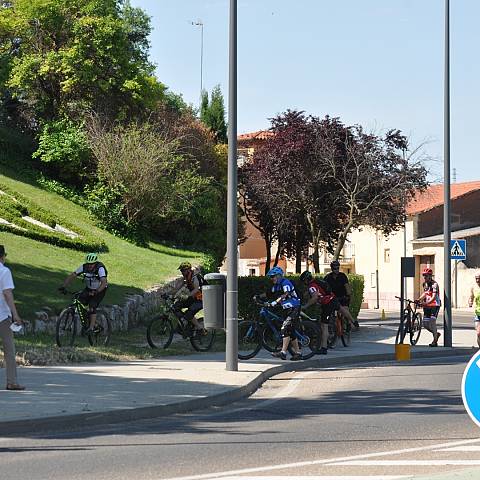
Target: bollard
point(402, 352)
point(383, 316)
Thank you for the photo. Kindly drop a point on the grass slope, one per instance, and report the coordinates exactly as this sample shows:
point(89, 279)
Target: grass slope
point(39, 268)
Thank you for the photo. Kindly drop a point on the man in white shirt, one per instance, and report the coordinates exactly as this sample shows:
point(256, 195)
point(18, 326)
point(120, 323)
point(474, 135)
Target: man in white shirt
point(8, 312)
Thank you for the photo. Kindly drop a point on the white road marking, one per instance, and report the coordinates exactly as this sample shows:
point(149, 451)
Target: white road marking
point(404, 463)
point(308, 463)
point(466, 448)
point(327, 477)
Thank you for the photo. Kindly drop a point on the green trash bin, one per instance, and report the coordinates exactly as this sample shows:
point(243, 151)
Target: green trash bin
point(214, 301)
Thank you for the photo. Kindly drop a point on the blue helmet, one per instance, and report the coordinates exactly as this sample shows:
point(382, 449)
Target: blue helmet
point(275, 271)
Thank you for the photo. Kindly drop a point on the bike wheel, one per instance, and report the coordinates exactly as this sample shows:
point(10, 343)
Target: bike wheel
point(100, 337)
point(66, 328)
point(160, 332)
point(416, 328)
point(346, 336)
point(271, 338)
point(202, 342)
point(308, 336)
point(249, 339)
point(401, 332)
point(332, 332)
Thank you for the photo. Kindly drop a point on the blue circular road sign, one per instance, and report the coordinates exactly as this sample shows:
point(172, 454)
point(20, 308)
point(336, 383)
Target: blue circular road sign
point(471, 388)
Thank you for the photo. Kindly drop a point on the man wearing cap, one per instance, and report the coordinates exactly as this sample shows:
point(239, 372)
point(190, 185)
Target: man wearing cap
point(474, 301)
point(193, 282)
point(8, 313)
point(430, 301)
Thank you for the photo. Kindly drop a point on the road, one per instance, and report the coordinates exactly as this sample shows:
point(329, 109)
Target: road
point(380, 421)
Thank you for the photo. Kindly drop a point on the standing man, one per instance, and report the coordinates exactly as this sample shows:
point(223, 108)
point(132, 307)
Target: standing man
point(338, 282)
point(474, 301)
point(430, 301)
point(8, 312)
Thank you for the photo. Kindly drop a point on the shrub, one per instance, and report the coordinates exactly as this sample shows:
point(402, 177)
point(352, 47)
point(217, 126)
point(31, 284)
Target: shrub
point(250, 286)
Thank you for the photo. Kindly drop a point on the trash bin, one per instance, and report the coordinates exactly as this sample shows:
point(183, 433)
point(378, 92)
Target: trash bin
point(214, 300)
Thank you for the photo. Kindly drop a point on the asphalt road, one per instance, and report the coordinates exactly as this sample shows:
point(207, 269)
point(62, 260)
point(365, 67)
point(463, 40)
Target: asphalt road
point(382, 421)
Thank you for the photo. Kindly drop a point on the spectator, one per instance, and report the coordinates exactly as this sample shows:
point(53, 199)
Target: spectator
point(8, 312)
point(474, 301)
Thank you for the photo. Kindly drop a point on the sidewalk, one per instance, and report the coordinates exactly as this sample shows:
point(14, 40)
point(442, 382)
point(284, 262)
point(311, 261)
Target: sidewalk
point(115, 392)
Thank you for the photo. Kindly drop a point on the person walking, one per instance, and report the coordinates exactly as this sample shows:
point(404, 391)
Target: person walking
point(8, 313)
point(474, 301)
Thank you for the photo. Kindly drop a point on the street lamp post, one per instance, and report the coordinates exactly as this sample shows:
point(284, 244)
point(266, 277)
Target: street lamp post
point(199, 23)
point(447, 306)
point(232, 212)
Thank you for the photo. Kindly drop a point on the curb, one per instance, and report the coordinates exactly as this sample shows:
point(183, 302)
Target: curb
point(70, 422)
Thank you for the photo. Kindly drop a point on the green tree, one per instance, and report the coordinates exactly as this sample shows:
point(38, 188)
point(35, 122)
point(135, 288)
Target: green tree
point(212, 114)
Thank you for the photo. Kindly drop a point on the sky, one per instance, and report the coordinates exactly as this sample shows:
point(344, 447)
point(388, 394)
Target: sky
point(377, 63)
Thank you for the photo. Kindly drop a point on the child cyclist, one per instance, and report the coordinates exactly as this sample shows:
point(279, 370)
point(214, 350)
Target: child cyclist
point(287, 298)
point(430, 301)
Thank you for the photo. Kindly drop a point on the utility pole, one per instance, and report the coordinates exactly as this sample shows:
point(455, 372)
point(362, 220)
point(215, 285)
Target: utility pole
point(232, 209)
point(447, 234)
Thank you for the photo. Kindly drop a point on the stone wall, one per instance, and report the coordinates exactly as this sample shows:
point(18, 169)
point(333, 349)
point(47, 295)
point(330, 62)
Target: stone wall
point(134, 312)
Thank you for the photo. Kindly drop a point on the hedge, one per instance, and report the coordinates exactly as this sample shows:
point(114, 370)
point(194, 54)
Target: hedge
point(250, 286)
point(14, 206)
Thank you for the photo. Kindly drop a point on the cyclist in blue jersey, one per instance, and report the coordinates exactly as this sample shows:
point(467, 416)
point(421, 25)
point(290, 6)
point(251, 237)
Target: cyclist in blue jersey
point(286, 298)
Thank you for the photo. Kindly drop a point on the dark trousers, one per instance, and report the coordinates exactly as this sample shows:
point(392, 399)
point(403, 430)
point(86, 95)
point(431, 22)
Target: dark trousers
point(192, 305)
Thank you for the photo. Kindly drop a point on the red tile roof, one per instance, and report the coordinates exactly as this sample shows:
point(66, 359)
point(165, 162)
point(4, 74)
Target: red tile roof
point(433, 196)
point(259, 135)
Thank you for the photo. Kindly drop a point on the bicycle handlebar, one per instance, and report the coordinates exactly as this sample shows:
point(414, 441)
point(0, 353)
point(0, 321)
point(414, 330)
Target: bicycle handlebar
point(416, 302)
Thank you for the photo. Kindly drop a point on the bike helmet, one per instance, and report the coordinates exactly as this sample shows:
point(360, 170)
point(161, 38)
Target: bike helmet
point(427, 271)
point(91, 258)
point(335, 264)
point(185, 266)
point(306, 276)
point(275, 271)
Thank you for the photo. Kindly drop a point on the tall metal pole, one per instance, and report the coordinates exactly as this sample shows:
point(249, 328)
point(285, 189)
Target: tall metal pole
point(232, 212)
point(447, 277)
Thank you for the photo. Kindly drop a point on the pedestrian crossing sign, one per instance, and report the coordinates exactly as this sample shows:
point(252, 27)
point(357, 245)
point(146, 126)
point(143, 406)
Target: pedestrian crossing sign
point(458, 249)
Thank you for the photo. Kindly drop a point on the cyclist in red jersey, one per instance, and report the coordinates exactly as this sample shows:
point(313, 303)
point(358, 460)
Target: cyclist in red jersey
point(430, 301)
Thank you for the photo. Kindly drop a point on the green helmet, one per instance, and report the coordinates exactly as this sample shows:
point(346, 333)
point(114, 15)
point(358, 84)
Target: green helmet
point(185, 266)
point(91, 258)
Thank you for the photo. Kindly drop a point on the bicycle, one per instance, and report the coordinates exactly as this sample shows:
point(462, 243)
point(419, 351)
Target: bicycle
point(162, 328)
point(253, 334)
point(339, 328)
point(76, 315)
point(410, 323)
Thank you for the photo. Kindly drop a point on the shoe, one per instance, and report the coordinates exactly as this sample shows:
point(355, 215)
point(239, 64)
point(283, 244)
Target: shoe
point(323, 351)
point(296, 356)
point(14, 386)
point(356, 324)
point(281, 355)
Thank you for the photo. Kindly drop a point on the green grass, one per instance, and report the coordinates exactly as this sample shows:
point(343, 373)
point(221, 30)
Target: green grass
point(39, 268)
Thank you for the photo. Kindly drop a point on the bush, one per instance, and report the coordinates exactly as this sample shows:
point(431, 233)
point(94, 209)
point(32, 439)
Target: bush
point(250, 286)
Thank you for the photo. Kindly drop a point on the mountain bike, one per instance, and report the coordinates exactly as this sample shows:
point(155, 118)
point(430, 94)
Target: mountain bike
point(338, 328)
point(410, 323)
point(163, 327)
point(75, 320)
point(265, 331)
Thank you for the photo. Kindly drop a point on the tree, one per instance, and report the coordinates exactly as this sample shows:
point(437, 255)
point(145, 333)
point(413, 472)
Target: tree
point(212, 114)
point(371, 179)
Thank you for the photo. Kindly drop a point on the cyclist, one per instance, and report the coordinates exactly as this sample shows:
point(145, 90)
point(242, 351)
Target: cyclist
point(338, 282)
point(474, 300)
point(287, 298)
point(193, 282)
point(321, 294)
point(94, 275)
point(430, 301)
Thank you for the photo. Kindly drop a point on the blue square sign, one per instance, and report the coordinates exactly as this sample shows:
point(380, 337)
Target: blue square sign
point(458, 249)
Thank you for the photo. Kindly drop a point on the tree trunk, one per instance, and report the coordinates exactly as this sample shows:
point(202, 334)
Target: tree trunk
point(342, 238)
point(277, 256)
point(316, 259)
point(298, 257)
point(268, 247)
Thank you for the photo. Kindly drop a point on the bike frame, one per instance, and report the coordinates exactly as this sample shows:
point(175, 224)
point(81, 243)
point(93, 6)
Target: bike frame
point(273, 319)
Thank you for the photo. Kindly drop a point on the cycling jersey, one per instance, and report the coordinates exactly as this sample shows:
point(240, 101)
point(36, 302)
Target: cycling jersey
point(323, 290)
point(476, 299)
point(337, 282)
point(92, 278)
point(432, 297)
point(194, 281)
point(286, 286)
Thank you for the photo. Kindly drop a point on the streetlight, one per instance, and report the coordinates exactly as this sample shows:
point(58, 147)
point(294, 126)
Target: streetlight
point(199, 23)
point(447, 267)
point(232, 234)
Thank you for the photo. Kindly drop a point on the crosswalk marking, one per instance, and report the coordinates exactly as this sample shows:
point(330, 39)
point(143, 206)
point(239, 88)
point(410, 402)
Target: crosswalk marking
point(404, 463)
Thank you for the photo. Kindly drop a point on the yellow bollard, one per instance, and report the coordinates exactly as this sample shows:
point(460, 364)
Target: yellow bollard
point(402, 352)
point(383, 316)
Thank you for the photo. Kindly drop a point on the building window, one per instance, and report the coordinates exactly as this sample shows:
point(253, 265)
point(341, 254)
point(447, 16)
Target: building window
point(373, 280)
point(386, 255)
point(252, 272)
